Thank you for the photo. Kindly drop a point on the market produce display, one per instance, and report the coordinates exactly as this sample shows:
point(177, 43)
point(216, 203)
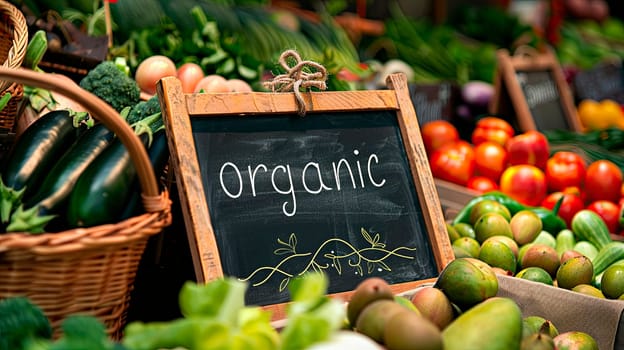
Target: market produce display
point(460, 311)
point(550, 207)
point(521, 243)
point(555, 168)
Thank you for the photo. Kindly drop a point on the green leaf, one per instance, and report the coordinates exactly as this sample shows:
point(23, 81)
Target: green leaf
point(221, 299)
point(247, 73)
point(4, 100)
point(367, 237)
point(312, 315)
point(28, 220)
point(292, 240)
point(309, 287)
point(9, 200)
point(337, 265)
point(215, 58)
point(282, 251)
point(226, 67)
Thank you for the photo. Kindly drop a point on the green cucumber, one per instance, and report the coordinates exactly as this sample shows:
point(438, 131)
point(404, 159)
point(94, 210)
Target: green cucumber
point(608, 255)
point(589, 226)
point(587, 249)
point(564, 241)
point(546, 238)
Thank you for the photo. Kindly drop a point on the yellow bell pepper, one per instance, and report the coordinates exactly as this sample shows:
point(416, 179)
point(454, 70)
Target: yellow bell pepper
point(601, 115)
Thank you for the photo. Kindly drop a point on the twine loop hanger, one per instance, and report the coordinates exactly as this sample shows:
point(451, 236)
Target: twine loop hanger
point(304, 74)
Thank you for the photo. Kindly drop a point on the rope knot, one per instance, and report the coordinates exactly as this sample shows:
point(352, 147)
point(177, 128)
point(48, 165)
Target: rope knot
point(304, 74)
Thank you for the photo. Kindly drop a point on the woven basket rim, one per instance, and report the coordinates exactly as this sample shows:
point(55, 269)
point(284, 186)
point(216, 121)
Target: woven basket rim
point(17, 52)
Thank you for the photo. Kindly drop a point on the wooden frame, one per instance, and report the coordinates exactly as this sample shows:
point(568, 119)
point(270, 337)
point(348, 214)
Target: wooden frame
point(179, 108)
point(506, 82)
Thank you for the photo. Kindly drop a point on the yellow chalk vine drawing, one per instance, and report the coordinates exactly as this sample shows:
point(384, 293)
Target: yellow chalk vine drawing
point(355, 258)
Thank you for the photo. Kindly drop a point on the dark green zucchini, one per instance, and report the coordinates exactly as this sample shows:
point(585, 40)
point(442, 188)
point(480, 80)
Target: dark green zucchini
point(38, 147)
point(60, 180)
point(44, 207)
point(101, 191)
point(158, 153)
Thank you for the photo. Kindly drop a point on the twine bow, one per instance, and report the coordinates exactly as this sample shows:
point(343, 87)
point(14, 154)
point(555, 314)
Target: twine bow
point(297, 77)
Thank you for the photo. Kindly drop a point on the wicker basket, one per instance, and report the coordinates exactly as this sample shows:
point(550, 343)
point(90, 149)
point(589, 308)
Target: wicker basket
point(13, 43)
point(85, 270)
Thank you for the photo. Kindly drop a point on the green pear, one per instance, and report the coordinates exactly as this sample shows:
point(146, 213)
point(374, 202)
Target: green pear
point(494, 324)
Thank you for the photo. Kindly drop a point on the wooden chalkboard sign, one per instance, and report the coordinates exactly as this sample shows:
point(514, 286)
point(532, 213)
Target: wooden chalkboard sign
point(603, 81)
point(434, 101)
point(531, 92)
point(268, 195)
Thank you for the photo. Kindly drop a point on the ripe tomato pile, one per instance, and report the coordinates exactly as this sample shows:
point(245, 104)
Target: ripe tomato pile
point(523, 166)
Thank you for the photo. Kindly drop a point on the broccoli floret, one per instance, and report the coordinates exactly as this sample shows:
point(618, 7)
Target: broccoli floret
point(22, 323)
point(82, 332)
point(144, 109)
point(111, 83)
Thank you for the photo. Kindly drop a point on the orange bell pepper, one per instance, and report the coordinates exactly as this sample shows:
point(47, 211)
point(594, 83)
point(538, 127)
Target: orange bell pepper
point(601, 115)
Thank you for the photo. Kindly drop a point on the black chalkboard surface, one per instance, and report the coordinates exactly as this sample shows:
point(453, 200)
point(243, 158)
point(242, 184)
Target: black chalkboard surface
point(268, 195)
point(531, 91)
point(326, 192)
point(542, 98)
point(604, 81)
point(434, 101)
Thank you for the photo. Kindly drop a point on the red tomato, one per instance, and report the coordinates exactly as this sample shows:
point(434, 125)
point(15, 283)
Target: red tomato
point(437, 133)
point(190, 74)
point(565, 169)
point(609, 212)
point(569, 206)
point(490, 159)
point(482, 184)
point(530, 147)
point(151, 70)
point(525, 183)
point(453, 162)
point(492, 129)
point(603, 180)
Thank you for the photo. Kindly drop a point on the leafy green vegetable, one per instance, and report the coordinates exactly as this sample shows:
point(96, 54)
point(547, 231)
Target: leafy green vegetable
point(492, 24)
point(22, 324)
point(82, 332)
point(585, 43)
point(312, 316)
point(436, 52)
point(216, 317)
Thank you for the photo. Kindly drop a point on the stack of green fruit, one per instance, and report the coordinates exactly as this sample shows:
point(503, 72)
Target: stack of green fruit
point(512, 240)
point(460, 311)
